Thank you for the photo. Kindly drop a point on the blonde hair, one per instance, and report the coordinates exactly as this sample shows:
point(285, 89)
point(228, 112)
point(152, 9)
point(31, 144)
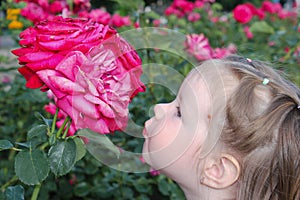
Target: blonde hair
point(262, 125)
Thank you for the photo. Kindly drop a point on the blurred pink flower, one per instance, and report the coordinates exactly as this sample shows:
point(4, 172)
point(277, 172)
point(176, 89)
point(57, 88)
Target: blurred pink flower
point(193, 16)
point(154, 172)
point(242, 13)
point(34, 13)
point(199, 3)
point(248, 33)
point(283, 14)
point(221, 52)
point(184, 5)
point(81, 5)
point(98, 15)
point(119, 21)
point(6, 79)
point(271, 43)
point(198, 46)
point(156, 22)
point(260, 13)
point(174, 11)
point(57, 6)
point(271, 7)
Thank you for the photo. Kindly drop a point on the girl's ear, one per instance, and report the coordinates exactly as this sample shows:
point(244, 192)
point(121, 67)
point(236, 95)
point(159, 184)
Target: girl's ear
point(220, 172)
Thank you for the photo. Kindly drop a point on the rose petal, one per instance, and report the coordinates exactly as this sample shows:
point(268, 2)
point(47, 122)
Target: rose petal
point(84, 107)
point(49, 63)
point(35, 56)
point(103, 107)
point(44, 76)
point(65, 85)
point(33, 81)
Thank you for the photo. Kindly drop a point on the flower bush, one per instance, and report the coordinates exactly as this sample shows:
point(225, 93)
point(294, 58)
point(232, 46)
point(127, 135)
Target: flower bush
point(65, 57)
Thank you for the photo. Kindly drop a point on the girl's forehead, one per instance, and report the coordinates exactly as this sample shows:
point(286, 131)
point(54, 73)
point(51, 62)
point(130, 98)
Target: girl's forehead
point(194, 87)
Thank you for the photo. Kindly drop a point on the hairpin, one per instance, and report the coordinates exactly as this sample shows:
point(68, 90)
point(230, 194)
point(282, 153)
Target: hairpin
point(298, 107)
point(249, 60)
point(265, 81)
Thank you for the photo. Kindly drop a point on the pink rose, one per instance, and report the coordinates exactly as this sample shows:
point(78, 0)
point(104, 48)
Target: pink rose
point(271, 7)
point(46, 44)
point(260, 13)
point(97, 15)
point(184, 5)
point(95, 89)
point(81, 5)
point(248, 33)
point(198, 46)
point(242, 13)
point(92, 71)
point(199, 4)
point(34, 13)
point(222, 52)
point(119, 21)
point(193, 17)
point(57, 7)
point(156, 22)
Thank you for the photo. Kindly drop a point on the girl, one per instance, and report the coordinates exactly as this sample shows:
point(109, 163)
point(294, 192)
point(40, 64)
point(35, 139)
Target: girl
point(233, 132)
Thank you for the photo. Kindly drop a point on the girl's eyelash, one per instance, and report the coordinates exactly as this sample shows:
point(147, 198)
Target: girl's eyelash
point(178, 112)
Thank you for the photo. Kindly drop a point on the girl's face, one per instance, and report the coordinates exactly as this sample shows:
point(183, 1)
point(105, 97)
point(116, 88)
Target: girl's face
point(175, 134)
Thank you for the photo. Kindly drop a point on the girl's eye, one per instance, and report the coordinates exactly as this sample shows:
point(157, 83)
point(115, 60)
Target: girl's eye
point(178, 112)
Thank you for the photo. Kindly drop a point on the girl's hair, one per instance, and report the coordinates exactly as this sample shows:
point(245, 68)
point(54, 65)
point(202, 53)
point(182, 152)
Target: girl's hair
point(262, 126)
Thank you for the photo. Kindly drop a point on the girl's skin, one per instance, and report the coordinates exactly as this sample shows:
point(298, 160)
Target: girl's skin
point(175, 137)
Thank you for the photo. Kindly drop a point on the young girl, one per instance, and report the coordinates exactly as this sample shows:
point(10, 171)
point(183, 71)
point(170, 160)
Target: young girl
point(233, 132)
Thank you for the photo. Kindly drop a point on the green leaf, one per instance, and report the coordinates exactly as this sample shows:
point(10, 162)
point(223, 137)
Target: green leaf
point(38, 131)
point(82, 189)
point(261, 27)
point(62, 157)
point(32, 167)
point(80, 148)
point(5, 144)
point(163, 186)
point(14, 193)
point(47, 122)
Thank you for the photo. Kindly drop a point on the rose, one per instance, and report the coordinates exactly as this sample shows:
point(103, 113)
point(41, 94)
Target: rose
point(92, 72)
point(193, 17)
point(271, 7)
point(248, 33)
point(98, 15)
point(46, 44)
point(34, 12)
point(198, 46)
point(119, 21)
point(95, 89)
point(242, 13)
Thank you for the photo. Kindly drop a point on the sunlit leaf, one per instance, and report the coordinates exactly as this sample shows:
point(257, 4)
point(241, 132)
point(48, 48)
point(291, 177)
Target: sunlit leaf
point(14, 193)
point(62, 157)
point(5, 144)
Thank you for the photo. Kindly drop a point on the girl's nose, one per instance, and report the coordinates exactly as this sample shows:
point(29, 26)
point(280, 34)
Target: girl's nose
point(159, 111)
